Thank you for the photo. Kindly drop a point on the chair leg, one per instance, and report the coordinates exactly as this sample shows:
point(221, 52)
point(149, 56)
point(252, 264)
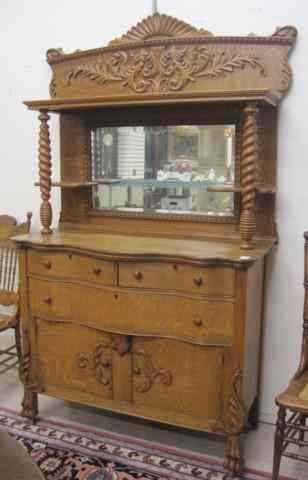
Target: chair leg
point(279, 437)
point(18, 341)
point(302, 422)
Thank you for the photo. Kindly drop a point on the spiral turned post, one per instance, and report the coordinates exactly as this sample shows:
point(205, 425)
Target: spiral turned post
point(248, 176)
point(45, 173)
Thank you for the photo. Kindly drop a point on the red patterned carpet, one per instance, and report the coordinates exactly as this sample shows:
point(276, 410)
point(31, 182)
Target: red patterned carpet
point(70, 452)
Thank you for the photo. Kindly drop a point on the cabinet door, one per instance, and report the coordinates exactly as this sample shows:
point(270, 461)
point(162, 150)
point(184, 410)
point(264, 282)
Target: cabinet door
point(74, 358)
point(185, 379)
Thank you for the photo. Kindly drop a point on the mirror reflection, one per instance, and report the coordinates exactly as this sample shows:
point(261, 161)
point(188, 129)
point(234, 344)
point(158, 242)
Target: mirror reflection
point(163, 169)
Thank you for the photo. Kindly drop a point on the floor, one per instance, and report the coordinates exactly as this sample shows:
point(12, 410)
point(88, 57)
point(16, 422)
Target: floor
point(258, 443)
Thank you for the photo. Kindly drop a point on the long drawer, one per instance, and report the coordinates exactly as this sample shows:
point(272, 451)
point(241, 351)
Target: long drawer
point(73, 266)
point(180, 277)
point(144, 313)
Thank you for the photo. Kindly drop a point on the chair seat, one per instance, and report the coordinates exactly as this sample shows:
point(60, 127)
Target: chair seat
point(295, 397)
point(7, 321)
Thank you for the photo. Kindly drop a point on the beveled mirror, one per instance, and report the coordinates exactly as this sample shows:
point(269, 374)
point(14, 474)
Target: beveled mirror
point(163, 169)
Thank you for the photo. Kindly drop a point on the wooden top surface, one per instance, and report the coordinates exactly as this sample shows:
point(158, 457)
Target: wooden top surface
point(130, 247)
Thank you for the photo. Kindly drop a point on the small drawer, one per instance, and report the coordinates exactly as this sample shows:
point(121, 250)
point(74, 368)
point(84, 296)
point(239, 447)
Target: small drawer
point(182, 278)
point(71, 266)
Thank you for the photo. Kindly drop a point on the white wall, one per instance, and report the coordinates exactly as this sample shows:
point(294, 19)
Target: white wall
point(29, 27)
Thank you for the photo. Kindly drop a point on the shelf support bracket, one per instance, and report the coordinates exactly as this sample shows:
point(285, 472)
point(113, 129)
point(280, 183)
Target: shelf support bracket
point(45, 172)
point(249, 176)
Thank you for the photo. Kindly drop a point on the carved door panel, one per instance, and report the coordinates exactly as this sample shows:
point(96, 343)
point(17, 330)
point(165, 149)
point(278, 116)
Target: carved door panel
point(74, 357)
point(179, 377)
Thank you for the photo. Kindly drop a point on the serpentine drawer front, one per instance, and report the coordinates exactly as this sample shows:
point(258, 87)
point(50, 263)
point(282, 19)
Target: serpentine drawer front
point(144, 312)
point(179, 277)
point(78, 267)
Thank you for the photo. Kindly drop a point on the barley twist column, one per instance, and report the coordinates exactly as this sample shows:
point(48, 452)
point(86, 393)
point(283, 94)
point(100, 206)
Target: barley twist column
point(45, 173)
point(248, 176)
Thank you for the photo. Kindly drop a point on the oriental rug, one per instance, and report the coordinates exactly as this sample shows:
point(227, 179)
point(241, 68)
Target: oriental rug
point(75, 452)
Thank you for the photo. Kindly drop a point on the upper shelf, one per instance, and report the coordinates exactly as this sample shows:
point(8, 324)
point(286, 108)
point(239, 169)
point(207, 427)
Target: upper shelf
point(164, 60)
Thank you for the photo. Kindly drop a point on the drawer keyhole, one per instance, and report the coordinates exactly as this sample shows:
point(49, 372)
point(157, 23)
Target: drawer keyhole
point(47, 265)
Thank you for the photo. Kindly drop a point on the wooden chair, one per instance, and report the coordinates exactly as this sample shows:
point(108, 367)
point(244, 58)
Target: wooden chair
point(293, 402)
point(9, 296)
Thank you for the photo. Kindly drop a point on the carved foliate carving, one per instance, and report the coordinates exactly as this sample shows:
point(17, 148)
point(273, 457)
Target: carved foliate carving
point(234, 425)
point(159, 26)
point(286, 75)
point(98, 362)
point(25, 360)
point(162, 55)
point(53, 87)
point(29, 402)
point(143, 367)
point(288, 32)
point(171, 71)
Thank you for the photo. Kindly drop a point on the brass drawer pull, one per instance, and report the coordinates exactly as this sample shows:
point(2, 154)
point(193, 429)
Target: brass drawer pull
point(47, 265)
point(138, 275)
point(48, 300)
point(198, 281)
point(198, 322)
point(137, 371)
point(96, 270)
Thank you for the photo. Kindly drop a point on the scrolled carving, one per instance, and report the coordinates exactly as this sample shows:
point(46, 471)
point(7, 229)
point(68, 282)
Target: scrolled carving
point(53, 87)
point(234, 425)
point(172, 70)
point(248, 176)
point(288, 31)
point(98, 362)
point(145, 368)
point(45, 172)
point(236, 419)
point(286, 75)
point(25, 360)
point(29, 401)
point(159, 26)
point(54, 53)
